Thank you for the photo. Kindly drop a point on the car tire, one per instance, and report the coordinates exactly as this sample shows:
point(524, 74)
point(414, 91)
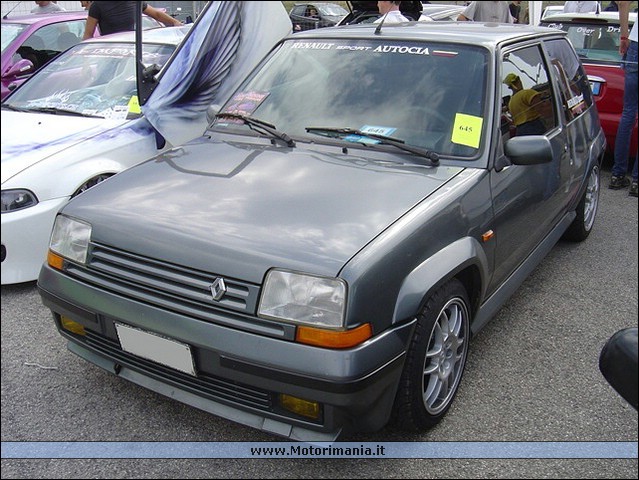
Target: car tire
point(586, 211)
point(90, 183)
point(435, 359)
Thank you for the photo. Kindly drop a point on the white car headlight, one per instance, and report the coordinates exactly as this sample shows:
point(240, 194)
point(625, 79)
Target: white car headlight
point(13, 200)
point(304, 299)
point(70, 238)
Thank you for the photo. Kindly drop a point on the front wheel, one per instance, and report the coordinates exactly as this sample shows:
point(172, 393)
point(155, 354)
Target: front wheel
point(586, 211)
point(435, 359)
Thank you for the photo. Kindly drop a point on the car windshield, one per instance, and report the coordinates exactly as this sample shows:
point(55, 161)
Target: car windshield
point(95, 79)
point(593, 42)
point(409, 91)
point(10, 32)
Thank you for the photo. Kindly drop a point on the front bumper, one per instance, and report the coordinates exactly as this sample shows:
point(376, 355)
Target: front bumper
point(240, 374)
point(25, 239)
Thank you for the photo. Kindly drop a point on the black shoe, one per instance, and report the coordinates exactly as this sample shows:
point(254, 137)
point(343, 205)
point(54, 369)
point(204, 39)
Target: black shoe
point(619, 182)
point(633, 189)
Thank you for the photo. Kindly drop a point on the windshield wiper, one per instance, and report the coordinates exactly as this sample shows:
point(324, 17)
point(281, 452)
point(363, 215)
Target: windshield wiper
point(261, 125)
point(15, 109)
point(383, 139)
point(64, 111)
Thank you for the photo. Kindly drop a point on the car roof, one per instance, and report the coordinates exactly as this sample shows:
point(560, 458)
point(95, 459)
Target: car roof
point(167, 35)
point(603, 17)
point(53, 17)
point(460, 32)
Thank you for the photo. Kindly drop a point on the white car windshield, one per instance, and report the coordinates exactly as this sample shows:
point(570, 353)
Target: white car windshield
point(405, 90)
point(93, 79)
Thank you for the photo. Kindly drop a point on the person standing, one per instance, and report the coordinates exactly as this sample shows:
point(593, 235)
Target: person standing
point(627, 48)
point(119, 16)
point(515, 11)
point(47, 7)
point(390, 13)
point(581, 7)
point(612, 7)
point(498, 12)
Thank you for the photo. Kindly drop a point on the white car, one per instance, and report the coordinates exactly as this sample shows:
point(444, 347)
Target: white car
point(552, 10)
point(78, 120)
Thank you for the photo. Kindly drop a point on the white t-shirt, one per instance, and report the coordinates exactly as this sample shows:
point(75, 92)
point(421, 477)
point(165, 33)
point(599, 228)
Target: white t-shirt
point(581, 7)
point(394, 16)
point(633, 33)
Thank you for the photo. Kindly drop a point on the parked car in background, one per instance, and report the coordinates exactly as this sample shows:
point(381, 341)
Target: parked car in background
point(31, 41)
point(441, 12)
point(551, 10)
point(305, 16)
point(315, 264)
point(79, 119)
point(368, 12)
point(73, 124)
point(596, 40)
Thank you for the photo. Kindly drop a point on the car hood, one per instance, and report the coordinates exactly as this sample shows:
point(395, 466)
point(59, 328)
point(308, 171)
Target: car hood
point(29, 138)
point(237, 211)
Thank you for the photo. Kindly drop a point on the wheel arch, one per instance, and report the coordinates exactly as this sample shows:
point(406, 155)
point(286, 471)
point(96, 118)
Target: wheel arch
point(463, 259)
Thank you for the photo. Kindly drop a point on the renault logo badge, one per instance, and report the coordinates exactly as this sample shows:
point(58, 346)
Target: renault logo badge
point(218, 288)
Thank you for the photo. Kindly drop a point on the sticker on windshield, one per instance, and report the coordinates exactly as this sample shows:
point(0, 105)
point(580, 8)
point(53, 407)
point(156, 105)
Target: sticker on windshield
point(134, 105)
point(467, 130)
point(375, 130)
point(245, 103)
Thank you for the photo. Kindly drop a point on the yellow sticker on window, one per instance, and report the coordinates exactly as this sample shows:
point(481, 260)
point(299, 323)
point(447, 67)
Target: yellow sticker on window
point(134, 105)
point(467, 130)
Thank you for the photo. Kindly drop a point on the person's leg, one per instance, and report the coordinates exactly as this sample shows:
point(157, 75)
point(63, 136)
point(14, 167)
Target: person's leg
point(627, 122)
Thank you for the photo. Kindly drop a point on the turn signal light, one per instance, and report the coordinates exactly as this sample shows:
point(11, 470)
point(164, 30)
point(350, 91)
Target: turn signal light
point(334, 338)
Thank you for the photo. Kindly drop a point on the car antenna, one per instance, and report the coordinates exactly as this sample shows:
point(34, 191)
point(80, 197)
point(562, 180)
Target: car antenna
point(6, 15)
point(378, 30)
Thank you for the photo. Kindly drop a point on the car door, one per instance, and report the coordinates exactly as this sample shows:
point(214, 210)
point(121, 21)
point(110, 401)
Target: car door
point(575, 97)
point(527, 199)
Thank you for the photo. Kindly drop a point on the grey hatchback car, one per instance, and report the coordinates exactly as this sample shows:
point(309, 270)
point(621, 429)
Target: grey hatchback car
point(319, 259)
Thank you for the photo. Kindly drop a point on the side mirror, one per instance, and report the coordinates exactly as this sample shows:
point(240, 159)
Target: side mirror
point(618, 363)
point(528, 150)
point(211, 111)
point(19, 68)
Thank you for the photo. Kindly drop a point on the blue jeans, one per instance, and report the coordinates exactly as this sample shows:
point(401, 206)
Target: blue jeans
point(624, 132)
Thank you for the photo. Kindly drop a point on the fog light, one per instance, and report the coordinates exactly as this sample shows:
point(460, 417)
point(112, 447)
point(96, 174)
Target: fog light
point(72, 326)
point(300, 406)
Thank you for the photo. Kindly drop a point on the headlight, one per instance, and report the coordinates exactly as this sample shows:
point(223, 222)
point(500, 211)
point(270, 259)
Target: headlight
point(305, 299)
point(13, 200)
point(70, 238)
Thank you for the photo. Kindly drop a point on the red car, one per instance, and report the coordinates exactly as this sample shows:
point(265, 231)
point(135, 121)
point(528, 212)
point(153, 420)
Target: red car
point(596, 40)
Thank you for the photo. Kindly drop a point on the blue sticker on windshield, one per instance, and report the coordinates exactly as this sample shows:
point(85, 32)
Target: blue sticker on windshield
point(377, 130)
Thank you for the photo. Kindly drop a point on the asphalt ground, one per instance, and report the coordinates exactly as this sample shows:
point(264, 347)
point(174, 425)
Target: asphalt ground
point(532, 376)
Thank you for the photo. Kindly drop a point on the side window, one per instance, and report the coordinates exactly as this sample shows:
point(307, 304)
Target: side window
point(576, 96)
point(528, 106)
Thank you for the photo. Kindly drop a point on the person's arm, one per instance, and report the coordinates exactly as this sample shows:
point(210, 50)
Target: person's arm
point(161, 16)
point(89, 28)
point(469, 14)
point(624, 43)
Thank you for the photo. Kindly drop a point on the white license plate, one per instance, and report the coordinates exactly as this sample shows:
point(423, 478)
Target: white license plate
point(156, 348)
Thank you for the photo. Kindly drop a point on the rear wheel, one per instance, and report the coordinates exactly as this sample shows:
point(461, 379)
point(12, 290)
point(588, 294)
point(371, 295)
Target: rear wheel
point(435, 359)
point(586, 211)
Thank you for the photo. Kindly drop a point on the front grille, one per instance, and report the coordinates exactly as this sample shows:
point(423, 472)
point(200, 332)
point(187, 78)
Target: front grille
point(204, 385)
point(179, 289)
